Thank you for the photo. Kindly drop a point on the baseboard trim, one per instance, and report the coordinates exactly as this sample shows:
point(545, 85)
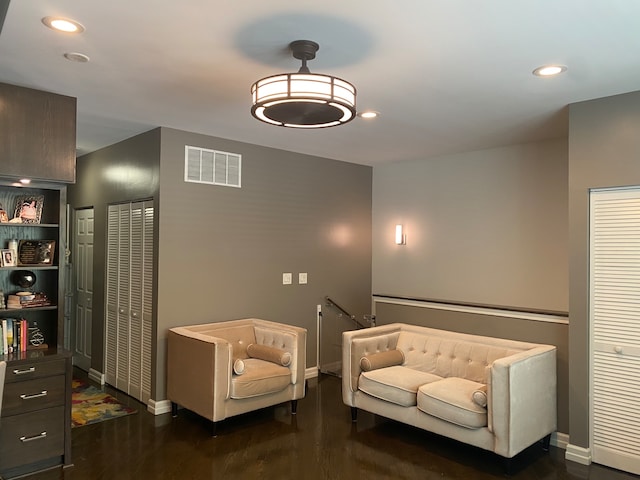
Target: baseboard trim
point(578, 454)
point(311, 372)
point(160, 407)
point(560, 440)
point(96, 376)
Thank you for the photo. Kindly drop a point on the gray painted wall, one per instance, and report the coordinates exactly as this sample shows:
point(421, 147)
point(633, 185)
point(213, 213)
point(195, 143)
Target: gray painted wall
point(222, 250)
point(126, 171)
point(485, 227)
point(604, 151)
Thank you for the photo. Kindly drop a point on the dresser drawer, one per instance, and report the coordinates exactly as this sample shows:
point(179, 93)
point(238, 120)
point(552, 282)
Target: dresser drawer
point(30, 395)
point(32, 437)
point(29, 370)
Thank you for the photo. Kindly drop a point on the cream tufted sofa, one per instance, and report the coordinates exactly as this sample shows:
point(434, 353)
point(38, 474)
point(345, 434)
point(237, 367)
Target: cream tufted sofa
point(496, 394)
point(223, 369)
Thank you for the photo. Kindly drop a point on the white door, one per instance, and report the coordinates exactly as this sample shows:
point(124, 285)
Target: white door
point(615, 328)
point(83, 280)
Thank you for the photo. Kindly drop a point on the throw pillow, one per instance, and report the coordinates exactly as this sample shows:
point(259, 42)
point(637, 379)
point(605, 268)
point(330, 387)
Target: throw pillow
point(479, 396)
point(270, 354)
point(381, 360)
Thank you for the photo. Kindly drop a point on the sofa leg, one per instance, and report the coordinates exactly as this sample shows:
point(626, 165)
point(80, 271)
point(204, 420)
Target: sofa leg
point(214, 429)
point(294, 407)
point(507, 464)
point(354, 414)
point(174, 409)
point(546, 441)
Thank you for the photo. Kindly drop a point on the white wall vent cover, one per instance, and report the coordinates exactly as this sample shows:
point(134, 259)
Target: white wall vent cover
point(202, 165)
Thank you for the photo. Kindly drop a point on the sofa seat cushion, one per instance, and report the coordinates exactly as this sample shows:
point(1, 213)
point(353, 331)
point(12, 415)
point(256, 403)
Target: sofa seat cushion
point(395, 384)
point(451, 399)
point(259, 378)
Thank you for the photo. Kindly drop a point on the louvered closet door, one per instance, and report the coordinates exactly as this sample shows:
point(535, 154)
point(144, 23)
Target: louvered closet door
point(615, 328)
point(129, 298)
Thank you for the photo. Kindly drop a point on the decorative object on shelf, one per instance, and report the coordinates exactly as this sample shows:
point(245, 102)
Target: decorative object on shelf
point(303, 99)
point(4, 218)
point(36, 252)
point(8, 258)
point(23, 278)
point(36, 339)
point(28, 208)
point(2, 305)
point(13, 245)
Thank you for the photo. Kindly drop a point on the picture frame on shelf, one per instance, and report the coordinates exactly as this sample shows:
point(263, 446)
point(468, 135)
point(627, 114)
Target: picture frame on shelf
point(28, 209)
point(4, 218)
point(8, 258)
point(36, 252)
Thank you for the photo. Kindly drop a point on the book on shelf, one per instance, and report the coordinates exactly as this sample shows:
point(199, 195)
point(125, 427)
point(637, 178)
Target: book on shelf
point(24, 300)
point(14, 335)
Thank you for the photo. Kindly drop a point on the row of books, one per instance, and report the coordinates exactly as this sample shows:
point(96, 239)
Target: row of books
point(14, 334)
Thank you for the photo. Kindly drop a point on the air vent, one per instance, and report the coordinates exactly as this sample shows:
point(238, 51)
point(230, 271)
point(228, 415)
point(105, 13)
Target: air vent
point(213, 167)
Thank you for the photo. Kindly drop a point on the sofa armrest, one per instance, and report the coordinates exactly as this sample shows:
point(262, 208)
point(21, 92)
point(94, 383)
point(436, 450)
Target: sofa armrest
point(198, 372)
point(358, 343)
point(522, 399)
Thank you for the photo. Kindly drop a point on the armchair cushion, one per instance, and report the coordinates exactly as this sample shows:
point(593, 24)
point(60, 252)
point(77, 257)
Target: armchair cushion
point(260, 377)
point(269, 354)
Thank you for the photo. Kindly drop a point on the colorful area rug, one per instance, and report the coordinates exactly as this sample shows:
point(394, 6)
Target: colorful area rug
point(91, 405)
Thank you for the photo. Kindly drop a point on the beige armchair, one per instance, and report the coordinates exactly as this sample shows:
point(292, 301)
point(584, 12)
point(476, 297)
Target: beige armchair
point(219, 370)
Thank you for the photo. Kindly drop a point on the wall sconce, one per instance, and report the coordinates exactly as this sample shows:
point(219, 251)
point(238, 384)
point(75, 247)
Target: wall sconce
point(401, 237)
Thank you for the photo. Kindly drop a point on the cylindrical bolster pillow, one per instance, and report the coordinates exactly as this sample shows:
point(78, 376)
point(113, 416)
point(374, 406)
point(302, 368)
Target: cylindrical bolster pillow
point(479, 396)
point(238, 366)
point(270, 354)
point(381, 360)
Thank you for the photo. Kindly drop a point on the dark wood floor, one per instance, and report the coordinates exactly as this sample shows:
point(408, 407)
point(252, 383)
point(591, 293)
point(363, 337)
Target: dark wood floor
point(320, 442)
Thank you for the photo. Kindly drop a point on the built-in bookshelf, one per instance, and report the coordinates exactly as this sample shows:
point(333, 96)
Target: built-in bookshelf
point(42, 303)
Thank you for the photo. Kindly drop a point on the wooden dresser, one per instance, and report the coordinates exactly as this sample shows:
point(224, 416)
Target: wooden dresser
point(35, 428)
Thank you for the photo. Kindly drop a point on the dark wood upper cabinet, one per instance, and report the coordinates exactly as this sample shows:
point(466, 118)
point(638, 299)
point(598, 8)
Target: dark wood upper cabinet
point(37, 134)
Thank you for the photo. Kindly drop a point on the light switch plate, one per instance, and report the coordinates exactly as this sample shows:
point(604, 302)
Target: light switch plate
point(286, 278)
point(302, 278)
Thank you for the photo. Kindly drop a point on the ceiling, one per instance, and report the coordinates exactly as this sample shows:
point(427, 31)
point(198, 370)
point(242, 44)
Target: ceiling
point(446, 76)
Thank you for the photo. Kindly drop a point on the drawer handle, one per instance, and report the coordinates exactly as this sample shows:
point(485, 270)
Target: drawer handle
point(40, 436)
point(25, 396)
point(22, 372)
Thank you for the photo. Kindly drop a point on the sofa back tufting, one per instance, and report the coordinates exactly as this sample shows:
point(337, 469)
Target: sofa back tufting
point(449, 357)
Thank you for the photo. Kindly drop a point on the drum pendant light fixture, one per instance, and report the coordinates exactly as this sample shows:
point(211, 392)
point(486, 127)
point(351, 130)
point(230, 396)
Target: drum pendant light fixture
point(303, 99)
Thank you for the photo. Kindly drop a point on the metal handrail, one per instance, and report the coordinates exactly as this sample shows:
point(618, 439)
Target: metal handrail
point(331, 303)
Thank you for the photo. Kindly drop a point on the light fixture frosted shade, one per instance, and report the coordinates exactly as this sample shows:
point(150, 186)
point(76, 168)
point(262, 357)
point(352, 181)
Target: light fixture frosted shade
point(303, 100)
point(401, 237)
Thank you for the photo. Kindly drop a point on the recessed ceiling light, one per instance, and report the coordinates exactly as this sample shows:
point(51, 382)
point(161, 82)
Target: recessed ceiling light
point(549, 70)
point(76, 57)
point(368, 114)
point(63, 24)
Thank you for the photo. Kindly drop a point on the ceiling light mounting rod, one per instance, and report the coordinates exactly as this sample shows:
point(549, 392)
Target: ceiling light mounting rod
point(303, 99)
point(304, 50)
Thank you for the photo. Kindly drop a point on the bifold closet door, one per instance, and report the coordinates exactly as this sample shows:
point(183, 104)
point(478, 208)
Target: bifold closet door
point(615, 327)
point(129, 298)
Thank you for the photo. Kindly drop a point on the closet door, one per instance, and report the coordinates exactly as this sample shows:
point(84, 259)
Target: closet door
point(615, 328)
point(129, 298)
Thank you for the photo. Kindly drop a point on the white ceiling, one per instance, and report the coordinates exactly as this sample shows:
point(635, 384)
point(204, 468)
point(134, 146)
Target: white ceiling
point(446, 76)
